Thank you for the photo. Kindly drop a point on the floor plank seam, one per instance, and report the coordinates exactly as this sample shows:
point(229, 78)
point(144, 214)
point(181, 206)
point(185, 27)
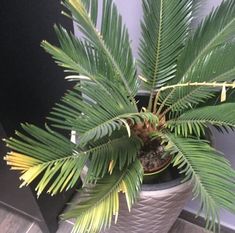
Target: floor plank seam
point(69, 222)
point(17, 210)
point(30, 227)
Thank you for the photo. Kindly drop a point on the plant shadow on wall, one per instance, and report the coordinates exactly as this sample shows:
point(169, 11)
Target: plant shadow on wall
point(189, 77)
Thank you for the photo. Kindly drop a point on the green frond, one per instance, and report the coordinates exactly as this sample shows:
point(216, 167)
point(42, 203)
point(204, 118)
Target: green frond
point(231, 96)
point(78, 57)
point(80, 112)
point(216, 30)
point(117, 151)
point(214, 184)
point(195, 121)
point(45, 151)
point(112, 40)
point(48, 153)
point(100, 204)
point(116, 123)
point(218, 66)
point(164, 30)
point(97, 114)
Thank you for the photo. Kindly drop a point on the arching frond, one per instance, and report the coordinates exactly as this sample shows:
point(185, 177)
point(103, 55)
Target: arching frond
point(107, 127)
point(214, 184)
point(112, 40)
point(98, 113)
point(117, 152)
point(218, 66)
point(195, 121)
point(47, 153)
point(164, 29)
point(78, 57)
point(100, 204)
point(82, 112)
point(216, 30)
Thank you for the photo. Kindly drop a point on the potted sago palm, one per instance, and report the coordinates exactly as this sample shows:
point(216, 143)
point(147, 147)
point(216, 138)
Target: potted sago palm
point(127, 146)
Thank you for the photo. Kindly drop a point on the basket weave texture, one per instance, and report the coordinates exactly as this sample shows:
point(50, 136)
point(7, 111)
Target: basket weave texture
point(155, 212)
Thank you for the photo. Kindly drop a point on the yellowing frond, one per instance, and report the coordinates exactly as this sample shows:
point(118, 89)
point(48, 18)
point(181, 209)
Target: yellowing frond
point(31, 174)
point(127, 127)
point(46, 153)
point(19, 161)
point(111, 166)
point(124, 189)
point(78, 5)
point(102, 206)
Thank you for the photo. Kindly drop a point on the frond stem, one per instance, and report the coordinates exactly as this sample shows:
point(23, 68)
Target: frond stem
point(208, 84)
point(106, 50)
point(150, 102)
point(156, 102)
point(116, 186)
point(156, 68)
point(75, 155)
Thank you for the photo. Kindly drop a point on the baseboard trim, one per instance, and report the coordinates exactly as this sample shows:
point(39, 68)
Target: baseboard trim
point(199, 221)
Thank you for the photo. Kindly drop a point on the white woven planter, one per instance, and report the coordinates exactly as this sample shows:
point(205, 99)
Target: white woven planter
point(157, 209)
point(155, 212)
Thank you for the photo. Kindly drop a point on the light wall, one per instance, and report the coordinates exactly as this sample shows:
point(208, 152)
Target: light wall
point(132, 13)
point(224, 143)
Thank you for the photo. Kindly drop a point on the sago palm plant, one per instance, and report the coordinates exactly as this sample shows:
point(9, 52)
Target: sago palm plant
point(189, 76)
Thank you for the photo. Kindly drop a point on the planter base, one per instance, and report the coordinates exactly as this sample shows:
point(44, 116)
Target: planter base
point(155, 212)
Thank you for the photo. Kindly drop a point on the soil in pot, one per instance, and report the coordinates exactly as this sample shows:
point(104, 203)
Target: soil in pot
point(156, 164)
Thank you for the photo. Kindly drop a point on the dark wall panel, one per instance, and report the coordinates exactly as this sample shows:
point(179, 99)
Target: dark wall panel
point(30, 82)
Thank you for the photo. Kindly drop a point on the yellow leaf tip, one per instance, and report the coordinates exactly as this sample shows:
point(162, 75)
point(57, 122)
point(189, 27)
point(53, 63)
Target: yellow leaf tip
point(142, 78)
point(223, 94)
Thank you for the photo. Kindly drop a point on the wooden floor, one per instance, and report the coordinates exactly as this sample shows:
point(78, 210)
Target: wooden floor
point(14, 223)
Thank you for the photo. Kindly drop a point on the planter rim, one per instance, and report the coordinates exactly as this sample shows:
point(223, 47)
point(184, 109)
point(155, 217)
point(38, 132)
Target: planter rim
point(170, 186)
point(142, 93)
point(148, 189)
